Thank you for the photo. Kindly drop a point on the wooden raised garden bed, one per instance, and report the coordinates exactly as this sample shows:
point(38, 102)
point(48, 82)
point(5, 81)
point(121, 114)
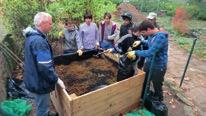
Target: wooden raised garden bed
point(100, 95)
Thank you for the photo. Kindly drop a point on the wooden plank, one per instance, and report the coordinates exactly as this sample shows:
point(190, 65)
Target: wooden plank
point(62, 101)
point(111, 106)
point(109, 100)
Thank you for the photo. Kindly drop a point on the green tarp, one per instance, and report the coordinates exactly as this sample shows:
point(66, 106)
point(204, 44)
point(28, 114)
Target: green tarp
point(16, 107)
point(140, 112)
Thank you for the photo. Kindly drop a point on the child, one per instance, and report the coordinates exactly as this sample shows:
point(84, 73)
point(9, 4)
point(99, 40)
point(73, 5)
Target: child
point(71, 39)
point(108, 32)
point(124, 28)
point(89, 33)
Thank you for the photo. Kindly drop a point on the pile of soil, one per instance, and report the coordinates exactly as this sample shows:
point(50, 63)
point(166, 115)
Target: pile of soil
point(81, 77)
point(127, 7)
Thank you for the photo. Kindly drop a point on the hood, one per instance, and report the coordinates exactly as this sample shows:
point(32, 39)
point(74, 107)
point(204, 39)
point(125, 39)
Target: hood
point(30, 31)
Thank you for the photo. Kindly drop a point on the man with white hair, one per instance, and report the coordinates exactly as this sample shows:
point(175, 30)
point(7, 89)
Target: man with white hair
point(39, 74)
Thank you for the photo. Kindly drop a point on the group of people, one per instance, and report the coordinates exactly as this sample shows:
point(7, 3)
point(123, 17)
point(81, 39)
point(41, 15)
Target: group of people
point(136, 43)
point(88, 36)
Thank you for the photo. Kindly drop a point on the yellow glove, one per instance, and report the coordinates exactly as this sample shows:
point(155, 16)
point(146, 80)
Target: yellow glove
point(79, 52)
point(131, 55)
point(136, 43)
point(60, 33)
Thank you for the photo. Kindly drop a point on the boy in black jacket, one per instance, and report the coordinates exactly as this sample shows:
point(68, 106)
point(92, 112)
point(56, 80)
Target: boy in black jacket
point(124, 28)
point(127, 67)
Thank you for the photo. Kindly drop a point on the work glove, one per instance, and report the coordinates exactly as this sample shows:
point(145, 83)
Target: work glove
point(61, 83)
point(131, 55)
point(97, 45)
point(136, 43)
point(60, 34)
point(79, 52)
point(110, 50)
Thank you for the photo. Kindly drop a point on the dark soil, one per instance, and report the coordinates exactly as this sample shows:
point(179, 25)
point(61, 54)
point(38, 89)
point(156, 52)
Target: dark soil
point(85, 76)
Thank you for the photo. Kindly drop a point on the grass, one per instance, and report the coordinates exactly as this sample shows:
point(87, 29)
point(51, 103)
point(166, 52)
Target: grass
point(186, 42)
point(2, 29)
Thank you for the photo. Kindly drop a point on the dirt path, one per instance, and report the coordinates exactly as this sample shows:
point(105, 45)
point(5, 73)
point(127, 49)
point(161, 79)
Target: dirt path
point(194, 86)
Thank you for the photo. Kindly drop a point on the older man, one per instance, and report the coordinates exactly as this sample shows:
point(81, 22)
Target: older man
point(39, 74)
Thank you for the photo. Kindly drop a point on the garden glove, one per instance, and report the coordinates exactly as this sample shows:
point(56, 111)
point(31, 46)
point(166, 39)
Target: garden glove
point(131, 55)
point(60, 33)
point(97, 45)
point(79, 52)
point(136, 43)
point(61, 83)
point(110, 50)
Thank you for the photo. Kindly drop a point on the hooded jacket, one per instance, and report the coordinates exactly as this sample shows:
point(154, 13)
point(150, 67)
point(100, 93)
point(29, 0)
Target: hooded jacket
point(158, 44)
point(72, 40)
point(39, 71)
point(124, 44)
point(124, 29)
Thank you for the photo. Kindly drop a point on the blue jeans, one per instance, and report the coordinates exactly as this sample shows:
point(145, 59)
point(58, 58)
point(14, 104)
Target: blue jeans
point(42, 104)
point(106, 44)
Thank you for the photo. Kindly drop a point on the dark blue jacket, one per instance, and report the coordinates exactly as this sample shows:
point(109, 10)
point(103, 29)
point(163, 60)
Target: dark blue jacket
point(158, 43)
point(39, 71)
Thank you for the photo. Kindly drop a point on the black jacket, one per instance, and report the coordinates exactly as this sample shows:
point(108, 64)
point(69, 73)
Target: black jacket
point(125, 43)
point(124, 29)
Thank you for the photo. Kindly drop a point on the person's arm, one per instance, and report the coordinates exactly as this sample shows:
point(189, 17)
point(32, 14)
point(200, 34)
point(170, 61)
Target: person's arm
point(100, 31)
point(143, 41)
point(97, 37)
point(119, 44)
point(78, 41)
point(81, 32)
point(120, 33)
point(156, 46)
point(114, 35)
point(44, 60)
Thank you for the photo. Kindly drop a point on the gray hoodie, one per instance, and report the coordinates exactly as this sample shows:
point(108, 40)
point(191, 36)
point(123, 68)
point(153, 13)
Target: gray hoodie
point(72, 40)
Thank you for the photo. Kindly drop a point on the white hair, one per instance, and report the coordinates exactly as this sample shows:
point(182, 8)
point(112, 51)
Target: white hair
point(41, 17)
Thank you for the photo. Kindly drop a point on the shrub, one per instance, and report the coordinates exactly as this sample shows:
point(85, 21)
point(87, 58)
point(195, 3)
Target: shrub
point(18, 14)
point(117, 2)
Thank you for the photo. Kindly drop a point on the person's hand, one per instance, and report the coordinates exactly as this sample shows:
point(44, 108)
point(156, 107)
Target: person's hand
point(110, 50)
point(110, 37)
point(136, 43)
point(79, 52)
point(131, 55)
point(97, 45)
point(60, 34)
point(129, 49)
point(61, 83)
